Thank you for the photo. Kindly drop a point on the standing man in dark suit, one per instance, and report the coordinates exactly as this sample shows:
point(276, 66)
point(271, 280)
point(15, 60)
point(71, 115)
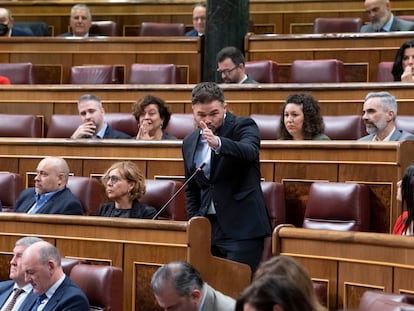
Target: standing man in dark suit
point(50, 194)
point(379, 114)
point(231, 66)
point(80, 22)
point(16, 294)
point(55, 291)
point(93, 124)
point(199, 20)
point(382, 19)
point(6, 26)
point(227, 191)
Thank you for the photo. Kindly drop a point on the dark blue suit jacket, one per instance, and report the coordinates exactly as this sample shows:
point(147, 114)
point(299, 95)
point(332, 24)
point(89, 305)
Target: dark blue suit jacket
point(63, 202)
point(6, 288)
point(192, 33)
point(234, 184)
point(111, 133)
point(68, 296)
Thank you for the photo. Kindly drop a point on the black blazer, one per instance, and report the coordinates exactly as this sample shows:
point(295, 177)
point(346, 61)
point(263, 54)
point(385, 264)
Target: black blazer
point(63, 202)
point(234, 184)
point(111, 133)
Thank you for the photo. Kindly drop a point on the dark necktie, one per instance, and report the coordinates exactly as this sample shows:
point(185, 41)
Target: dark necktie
point(39, 301)
point(17, 292)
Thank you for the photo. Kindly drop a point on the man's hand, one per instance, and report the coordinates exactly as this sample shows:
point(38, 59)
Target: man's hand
point(84, 130)
point(212, 140)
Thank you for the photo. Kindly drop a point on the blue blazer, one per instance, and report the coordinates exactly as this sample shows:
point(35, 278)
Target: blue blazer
point(17, 32)
point(6, 288)
point(234, 184)
point(192, 33)
point(68, 296)
point(63, 202)
point(396, 136)
point(397, 25)
point(111, 133)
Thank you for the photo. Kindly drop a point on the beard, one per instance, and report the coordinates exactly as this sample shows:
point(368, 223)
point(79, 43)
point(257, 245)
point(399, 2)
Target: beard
point(374, 128)
point(378, 24)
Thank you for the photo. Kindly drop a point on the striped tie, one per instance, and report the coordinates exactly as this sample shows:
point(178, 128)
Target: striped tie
point(17, 292)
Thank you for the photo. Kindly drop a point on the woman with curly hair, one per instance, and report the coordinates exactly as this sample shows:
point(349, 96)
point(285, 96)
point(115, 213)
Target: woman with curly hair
point(405, 194)
point(301, 119)
point(124, 186)
point(403, 67)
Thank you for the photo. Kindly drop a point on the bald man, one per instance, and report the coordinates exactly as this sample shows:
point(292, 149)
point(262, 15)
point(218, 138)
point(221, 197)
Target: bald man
point(50, 194)
point(41, 263)
point(6, 25)
point(382, 19)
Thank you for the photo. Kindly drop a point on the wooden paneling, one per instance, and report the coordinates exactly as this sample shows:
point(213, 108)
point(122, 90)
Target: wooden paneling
point(295, 164)
point(54, 57)
point(360, 52)
point(352, 262)
point(138, 246)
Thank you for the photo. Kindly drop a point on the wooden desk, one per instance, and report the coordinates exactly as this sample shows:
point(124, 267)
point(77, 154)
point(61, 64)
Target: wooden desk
point(295, 164)
point(360, 52)
point(243, 100)
point(268, 16)
point(350, 262)
point(54, 57)
point(138, 246)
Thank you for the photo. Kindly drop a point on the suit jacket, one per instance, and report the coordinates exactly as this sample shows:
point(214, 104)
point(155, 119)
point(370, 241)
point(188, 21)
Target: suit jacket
point(67, 297)
point(138, 210)
point(396, 136)
point(6, 288)
point(249, 80)
point(192, 33)
point(234, 184)
point(111, 133)
point(63, 202)
point(69, 34)
point(17, 32)
point(216, 301)
point(397, 25)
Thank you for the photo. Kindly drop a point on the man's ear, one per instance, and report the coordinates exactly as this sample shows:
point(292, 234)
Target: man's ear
point(196, 294)
point(390, 115)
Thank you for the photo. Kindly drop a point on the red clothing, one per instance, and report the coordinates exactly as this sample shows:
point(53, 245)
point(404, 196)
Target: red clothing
point(4, 80)
point(399, 224)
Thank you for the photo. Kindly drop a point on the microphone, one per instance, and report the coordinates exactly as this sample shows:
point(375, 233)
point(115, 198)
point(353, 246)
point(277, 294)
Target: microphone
point(199, 169)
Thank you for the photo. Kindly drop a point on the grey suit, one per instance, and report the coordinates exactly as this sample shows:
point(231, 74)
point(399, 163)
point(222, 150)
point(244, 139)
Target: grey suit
point(397, 25)
point(396, 136)
point(216, 301)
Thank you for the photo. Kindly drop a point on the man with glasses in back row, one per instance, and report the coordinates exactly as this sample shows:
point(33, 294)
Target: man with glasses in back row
point(231, 66)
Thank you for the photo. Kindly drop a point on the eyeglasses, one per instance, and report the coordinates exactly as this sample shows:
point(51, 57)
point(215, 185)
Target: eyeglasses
point(113, 179)
point(226, 71)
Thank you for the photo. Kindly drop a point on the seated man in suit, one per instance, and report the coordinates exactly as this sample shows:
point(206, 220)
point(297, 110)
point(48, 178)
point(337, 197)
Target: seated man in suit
point(50, 194)
point(16, 293)
point(382, 19)
point(93, 123)
point(231, 66)
point(177, 285)
point(54, 290)
point(199, 20)
point(80, 22)
point(6, 26)
point(379, 113)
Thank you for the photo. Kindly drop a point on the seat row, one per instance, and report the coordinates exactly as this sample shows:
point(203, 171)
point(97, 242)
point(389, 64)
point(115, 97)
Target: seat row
point(348, 127)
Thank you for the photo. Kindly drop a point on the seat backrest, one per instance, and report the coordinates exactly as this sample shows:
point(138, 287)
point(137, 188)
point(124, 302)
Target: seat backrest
point(387, 305)
point(336, 24)
point(18, 73)
point(63, 125)
point(92, 74)
point(102, 285)
point(268, 125)
point(11, 184)
point(317, 71)
point(384, 73)
point(68, 263)
point(122, 121)
point(263, 71)
point(20, 125)
point(89, 191)
point(153, 74)
point(40, 29)
point(162, 29)
point(370, 296)
point(405, 123)
point(103, 28)
point(343, 127)
point(338, 206)
point(180, 125)
point(409, 18)
point(274, 196)
point(157, 194)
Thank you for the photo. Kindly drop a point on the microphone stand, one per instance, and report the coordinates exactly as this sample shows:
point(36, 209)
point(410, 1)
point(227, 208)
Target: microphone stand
point(200, 168)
